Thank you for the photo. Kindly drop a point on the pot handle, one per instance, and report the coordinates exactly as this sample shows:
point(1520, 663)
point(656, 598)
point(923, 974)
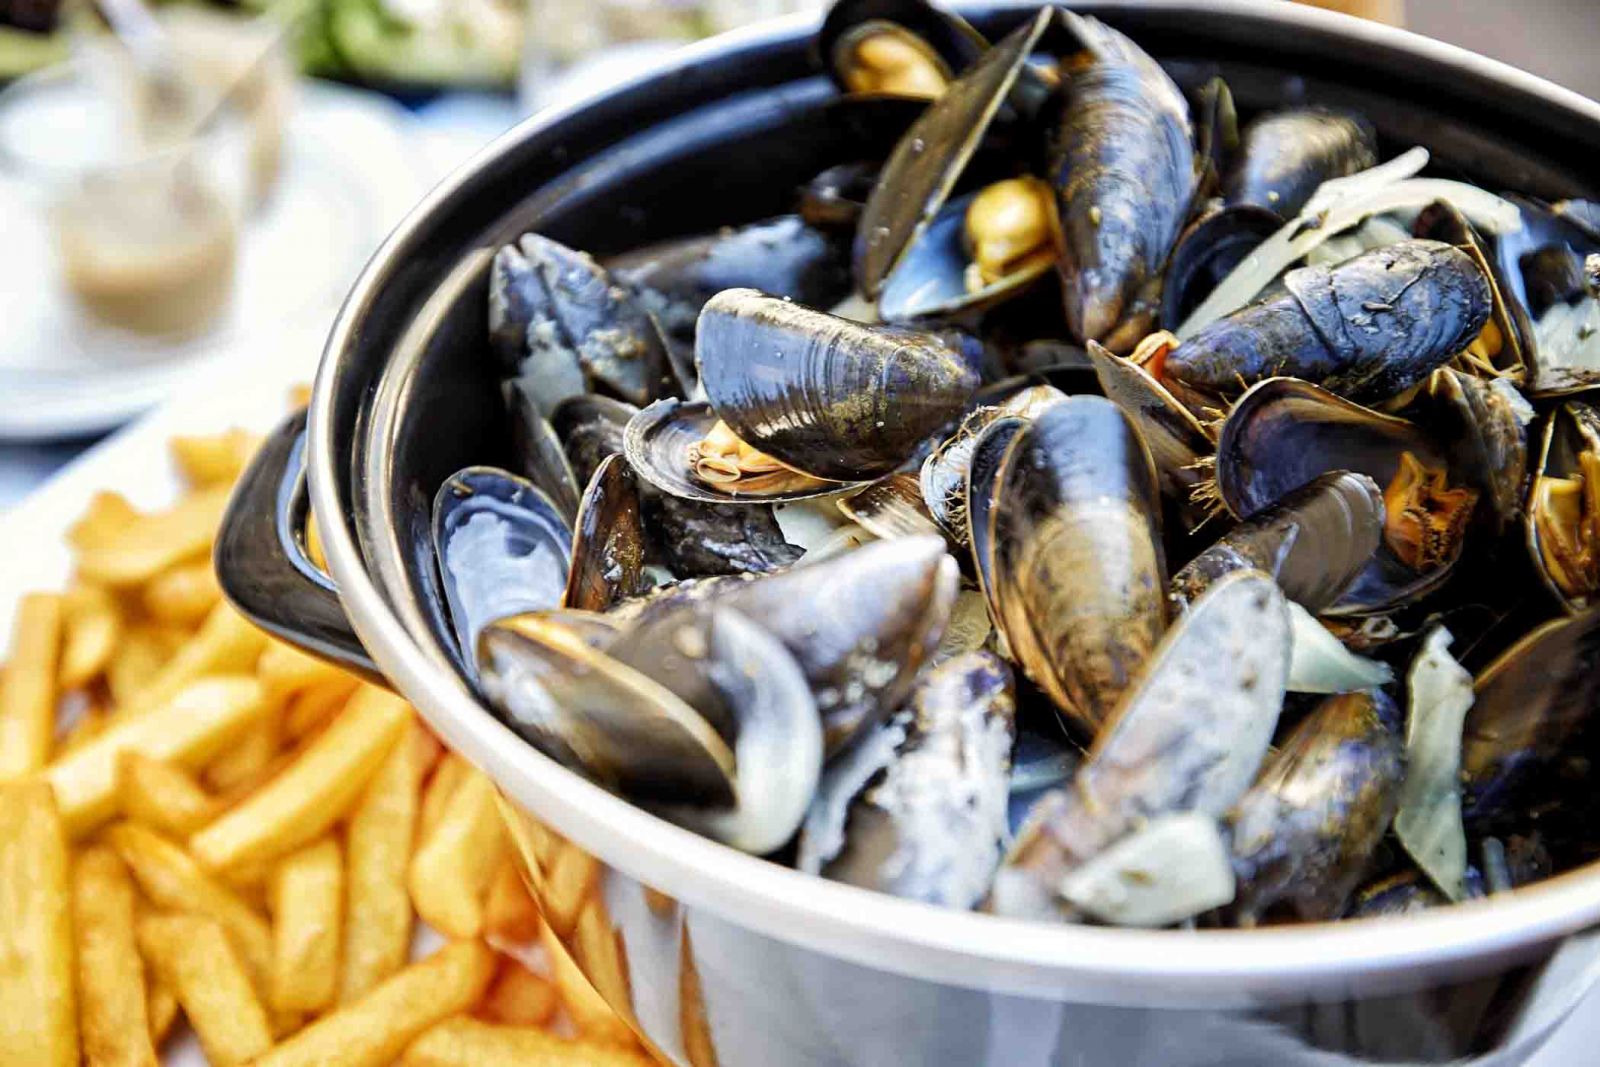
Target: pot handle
point(262, 563)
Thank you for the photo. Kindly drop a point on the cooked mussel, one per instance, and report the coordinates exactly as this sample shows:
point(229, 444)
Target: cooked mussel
point(1206, 252)
point(1367, 329)
point(1563, 515)
point(1314, 541)
point(1078, 571)
point(1303, 836)
point(502, 547)
point(1484, 422)
point(943, 477)
point(1189, 736)
point(558, 320)
point(989, 451)
point(1541, 264)
point(1283, 433)
point(1284, 155)
point(608, 544)
point(1502, 347)
point(1124, 172)
point(901, 47)
point(917, 807)
point(892, 507)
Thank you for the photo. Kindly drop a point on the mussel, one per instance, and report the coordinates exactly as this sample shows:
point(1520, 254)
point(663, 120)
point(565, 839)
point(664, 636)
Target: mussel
point(1304, 834)
point(1078, 571)
point(901, 47)
point(1284, 155)
point(1189, 736)
point(1206, 252)
point(1367, 329)
point(1485, 424)
point(1563, 515)
point(541, 458)
point(917, 807)
point(1124, 172)
point(609, 544)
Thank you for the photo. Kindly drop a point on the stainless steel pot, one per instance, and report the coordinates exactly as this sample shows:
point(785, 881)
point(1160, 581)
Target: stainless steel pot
point(718, 957)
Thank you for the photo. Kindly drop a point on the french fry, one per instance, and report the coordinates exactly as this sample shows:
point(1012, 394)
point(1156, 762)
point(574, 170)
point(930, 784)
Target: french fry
point(151, 543)
point(162, 1005)
point(314, 550)
point(113, 1016)
point(187, 730)
point(91, 624)
point(568, 882)
point(225, 644)
point(375, 1030)
point(441, 786)
point(600, 955)
point(246, 763)
point(284, 669)
point(378, 916)
point(183, 595)
point(88, 726)
point(103, 521)
point(518, 997)
point(311, 709)
point(214, 459)
point(313, 792)
point(471, 1043)
point(307, 906)
point(172, 881)
point(192, 954)
point(137, 659)
point(453, 865)
point(38, 1012)
point(510, 915)
point(28, 688)
point(162, 796)
point(590, 1013)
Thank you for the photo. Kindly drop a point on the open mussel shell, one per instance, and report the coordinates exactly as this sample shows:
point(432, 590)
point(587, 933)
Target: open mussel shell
point(1177, 439)
point(540, 455)
point(1562, 522)
point(608, 542)
point(659, 444)
point(1314, 541)
point(912, 33)
point(943, 476)
point(1304, 835)
point(929, 159)
point(1284, 155)
point(1541, 265)
point(1531, 706)
point(1284, 433)
point(1189, 736)
point(892, 507)
point(1484, 424)
point(823, 395)
point(1079, 573)
point(587, 710)
point(917, 807)
point(1206, 253)
point(521, 332)
point(503, 549)
point(590, 428)
point(1502, 348)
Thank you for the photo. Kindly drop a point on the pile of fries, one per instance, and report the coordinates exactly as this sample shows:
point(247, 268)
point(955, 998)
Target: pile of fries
point(196, 820)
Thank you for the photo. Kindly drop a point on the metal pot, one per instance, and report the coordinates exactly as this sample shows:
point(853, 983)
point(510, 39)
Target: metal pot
point(718, 957)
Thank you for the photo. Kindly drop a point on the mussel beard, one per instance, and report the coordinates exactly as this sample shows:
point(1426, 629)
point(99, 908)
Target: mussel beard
point(1425, 519)
point(722, 461)
point(1566, 517)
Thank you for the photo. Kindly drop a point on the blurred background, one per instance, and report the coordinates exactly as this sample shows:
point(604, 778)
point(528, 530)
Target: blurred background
point(187, 186)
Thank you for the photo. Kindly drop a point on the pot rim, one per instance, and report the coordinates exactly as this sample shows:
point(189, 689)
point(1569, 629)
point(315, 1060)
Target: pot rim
point(1209, 968)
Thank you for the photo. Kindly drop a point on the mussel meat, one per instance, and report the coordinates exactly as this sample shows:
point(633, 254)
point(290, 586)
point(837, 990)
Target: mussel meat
point(900, 47)
point(1563, 516)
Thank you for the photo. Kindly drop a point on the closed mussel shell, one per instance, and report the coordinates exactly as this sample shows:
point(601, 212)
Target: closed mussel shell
point(1284, 155)
point(608, 544)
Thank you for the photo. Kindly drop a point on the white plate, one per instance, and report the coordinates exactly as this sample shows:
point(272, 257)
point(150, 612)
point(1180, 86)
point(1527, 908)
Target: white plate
point(350, 173)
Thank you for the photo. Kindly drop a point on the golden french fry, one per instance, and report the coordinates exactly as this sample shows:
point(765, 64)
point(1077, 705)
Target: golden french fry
point(311, 709)
point(162, 796)
point(192, 954)
point(162, 1005)
point(88, 726)
point(307, 906)
point(113, 1017)
point(216, 458)
point(151, 543)
point(376, 1029)
point(378, 917)
point(224, 644)
point(246, 762)
point(588, 1009)
point(453, 865)
point(519, 997)
point(187, 730)
point(599, 953)
point(183, 595)
point(536, 844)
point(28, 688)
point(449, 773)
point(38, 1012)
point(139, 656)
point(471, 1043)
point(172, 881)
point(107, 515)
point(299, 395)
point(510, 915)
point(314, 550)
point(313, 792)
point(91, 624)
point(284, 669)
point(568, 882)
